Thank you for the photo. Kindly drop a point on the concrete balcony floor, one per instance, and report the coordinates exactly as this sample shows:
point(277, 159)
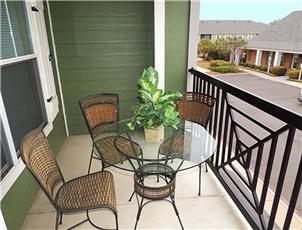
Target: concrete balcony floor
point(212, 210)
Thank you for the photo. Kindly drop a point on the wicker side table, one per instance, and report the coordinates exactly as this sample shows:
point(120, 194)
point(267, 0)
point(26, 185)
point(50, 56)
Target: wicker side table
point(155, 193)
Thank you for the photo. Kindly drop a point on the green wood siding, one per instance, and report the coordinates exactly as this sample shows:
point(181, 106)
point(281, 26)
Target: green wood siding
point(101, 47)
point(177, 30)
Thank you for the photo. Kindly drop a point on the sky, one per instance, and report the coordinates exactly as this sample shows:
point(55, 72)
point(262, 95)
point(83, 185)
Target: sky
point(265, 11)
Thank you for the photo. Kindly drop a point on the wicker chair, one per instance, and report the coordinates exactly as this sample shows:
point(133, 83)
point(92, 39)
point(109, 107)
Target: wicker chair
point(193, 107)
point(84, 193)
point(98, 111)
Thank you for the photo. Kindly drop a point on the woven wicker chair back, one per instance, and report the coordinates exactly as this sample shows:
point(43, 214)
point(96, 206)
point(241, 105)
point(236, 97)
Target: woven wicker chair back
point(196, 107)
point(99, 110)
point(39, 159)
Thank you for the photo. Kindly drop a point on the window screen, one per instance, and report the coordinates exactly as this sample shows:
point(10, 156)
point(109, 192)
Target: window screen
point(22, 100)
point(7, 46)
point(15, 37)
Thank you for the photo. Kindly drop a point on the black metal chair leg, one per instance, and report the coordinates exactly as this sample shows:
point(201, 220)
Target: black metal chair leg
point(116, 220)
point(57, 221)
point(199, 182)
point(206, 166)
point(140, 207)
point(131, 196)
point(176, 211)
point(91, 155)
point(61, 217)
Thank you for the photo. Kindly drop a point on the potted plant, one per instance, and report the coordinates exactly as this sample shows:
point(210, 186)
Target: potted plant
point(156, 109)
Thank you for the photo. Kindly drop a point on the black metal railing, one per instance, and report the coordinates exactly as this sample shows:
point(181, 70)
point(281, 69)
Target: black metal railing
point(259, 152)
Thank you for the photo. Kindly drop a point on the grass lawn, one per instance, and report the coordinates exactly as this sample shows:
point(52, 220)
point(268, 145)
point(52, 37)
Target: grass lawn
point(204, 64)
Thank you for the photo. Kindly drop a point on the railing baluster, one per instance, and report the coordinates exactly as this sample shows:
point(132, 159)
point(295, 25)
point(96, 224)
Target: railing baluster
point(268, 172)
point(218, 139)
point(194, 83)
point(225, 134)
point(257, 165)
point(211, 119)
point(230, 145)
point(216, 116)
point(294, 197)
point(288, 147)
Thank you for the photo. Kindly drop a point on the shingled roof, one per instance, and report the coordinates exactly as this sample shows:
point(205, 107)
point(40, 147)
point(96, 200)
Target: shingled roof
point(285, 35)
point(230, 27)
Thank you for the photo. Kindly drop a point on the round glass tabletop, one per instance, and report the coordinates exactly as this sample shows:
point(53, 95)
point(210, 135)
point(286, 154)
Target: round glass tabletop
point(179, 149)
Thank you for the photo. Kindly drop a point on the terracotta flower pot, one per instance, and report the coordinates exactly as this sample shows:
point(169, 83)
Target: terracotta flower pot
point(154, 135)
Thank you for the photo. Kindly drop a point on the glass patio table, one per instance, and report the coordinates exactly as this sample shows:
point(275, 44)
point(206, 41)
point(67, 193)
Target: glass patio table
point(183, 148)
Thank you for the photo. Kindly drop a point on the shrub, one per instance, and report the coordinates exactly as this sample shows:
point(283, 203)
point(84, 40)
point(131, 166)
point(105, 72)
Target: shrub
point(225, 69)
point(293, 73)
point(279, 70)
point(262, 68)
point(253, 66)
point(219, 63)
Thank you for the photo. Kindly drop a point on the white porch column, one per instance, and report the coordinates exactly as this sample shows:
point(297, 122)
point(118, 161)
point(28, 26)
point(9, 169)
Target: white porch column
point(277, 58)
point(159, 41)
point(193, 39)
point(258, 57)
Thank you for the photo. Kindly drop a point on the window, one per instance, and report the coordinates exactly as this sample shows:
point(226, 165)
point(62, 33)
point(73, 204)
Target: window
point(249, 56)
point(282, 59)
point(296, 61)
point(15, 38)
point(28, 98)
point(23, 101)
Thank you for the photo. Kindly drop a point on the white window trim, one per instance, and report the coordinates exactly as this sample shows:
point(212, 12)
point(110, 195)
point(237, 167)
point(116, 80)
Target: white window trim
point(17, 59)
point(18, 166)
point(48, 87)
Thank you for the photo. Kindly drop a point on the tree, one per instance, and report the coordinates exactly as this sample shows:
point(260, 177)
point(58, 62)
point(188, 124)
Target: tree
point(207, 46)
point(236, 45)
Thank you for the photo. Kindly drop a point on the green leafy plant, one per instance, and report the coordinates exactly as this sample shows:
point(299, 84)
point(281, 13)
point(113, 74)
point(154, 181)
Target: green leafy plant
point(156, 107)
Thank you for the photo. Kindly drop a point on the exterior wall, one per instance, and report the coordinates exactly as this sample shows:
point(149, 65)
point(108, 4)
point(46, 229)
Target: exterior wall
point(176, 52)
point(288, 58)
point(251, 56)
point(100, 52)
